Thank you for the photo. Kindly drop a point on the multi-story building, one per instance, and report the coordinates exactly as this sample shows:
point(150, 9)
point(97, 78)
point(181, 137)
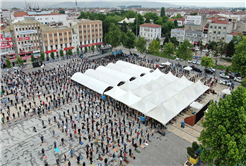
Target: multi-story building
point(6, 14)
point(28, 37)
point(179, 20)
point(179, 34)
point(194, 36)
point(150, 31)
point(218, 29)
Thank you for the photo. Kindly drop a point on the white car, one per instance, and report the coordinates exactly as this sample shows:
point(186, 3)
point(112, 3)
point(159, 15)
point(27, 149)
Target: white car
point(194, 61)
point(177, 59)
point(190, 61)
point(205, 50)
point(212, 68)
point(238, 79)
point(225, 82)
point(224, 76)
point(198, 62)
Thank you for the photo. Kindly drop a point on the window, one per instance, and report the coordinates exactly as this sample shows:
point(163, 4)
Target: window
point(40, 18)
point(46, 18)
point(223, 38)
point(60, 34)
point(218, 32)
point(215, 27)
point(214, 32)
point(223, 33)
point(211, 26)
point(213, 37)
point(224, 27)
point(16, 29)
point(219, 27)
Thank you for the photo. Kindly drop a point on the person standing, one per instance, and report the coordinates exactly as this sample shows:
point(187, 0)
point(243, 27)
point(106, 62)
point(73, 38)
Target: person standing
point(42, 139)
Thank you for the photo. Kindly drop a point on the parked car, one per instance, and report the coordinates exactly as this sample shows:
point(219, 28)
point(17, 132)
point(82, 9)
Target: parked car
point(231, 75)
point(197, 69)
point(208, 70)
point(212, 69)
point(224, 76)
point(192, 66)
point(194, 61)
point(238, 79)
point(135, 54)
point(225, 82)
point(198, 62)
point(177, 59)
point(190, 61)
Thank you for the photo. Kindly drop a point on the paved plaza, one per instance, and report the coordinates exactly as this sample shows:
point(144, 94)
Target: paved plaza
point(20, 145)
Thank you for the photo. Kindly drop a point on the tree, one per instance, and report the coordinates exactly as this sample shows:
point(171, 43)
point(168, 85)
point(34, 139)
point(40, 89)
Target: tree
point(237, 38)
point(201, 48)
point(207, 62)
point(184, 50)
point(216, 51)
point(147, 20)
point(212, 44)
point(164, 28)
point(77, 48)
point(223, 139)
point(131, 14)
point(124, 27)
point(168, 49)
point(239, 59)
point(99, 46)
point(221, 45)
point(8, 63)
point(113, 37)
point(175, 23)
point(193, 14)
point(154, 46)
point(129, 40)
point(69, 51)
point(174, 41)
point(52, 55)
point(61, 12)
point(61, 53)
point(141, 44)
point(230, 49)
point(32, 58)
point(166, 40)
point(163, 12)
point(20, 61)
point(42, 56)
point(86, 49)
point(92, 48)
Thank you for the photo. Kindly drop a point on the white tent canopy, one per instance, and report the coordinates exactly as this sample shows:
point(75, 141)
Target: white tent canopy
point(90, 82)
point(157, 73)
point(169, 76)
point(139, 81)
point(151, 86)
point(115, 67)
point(167, 63)
point(129, 98)
point(196, 105)
point(114, 73)
point(226, 91)
point(141, 91)
point(143, 106)
point(129, 86)
point(162, 81)
point(116, 92)
point(188, 68)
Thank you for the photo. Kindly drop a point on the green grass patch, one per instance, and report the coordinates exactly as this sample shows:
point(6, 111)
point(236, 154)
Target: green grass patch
point(160, 54)
point(220, 67)
point(227, 59)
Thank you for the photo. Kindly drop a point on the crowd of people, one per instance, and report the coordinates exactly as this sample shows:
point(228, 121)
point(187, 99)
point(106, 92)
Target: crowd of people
point(108, 126)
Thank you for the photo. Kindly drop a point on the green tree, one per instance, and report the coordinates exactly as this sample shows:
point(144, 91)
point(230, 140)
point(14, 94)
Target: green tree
point(170, 25)
point(113, 37)
point(178, 16)
point(32, 58)
point(147, 20)
point(201, 48)
point(131, 14)
point(174, 41)
point(221, 45)
point(212, 44)
point(165, 19)
point(230, 49)
point(77, 48)
point(237, 39)
point(86, 49)
point(239, 58)
point(154, 46)
point(223, 139)
point(175, 23)
point(52, 55)
point(8, 63)
point(92, 48)
point(124, 27)
point(184, 50)
point(69, 52)
point(152, 16)
point(20, 61)
point(61, 12)
point(61, 53)
point(164, 28)
point(207, 62)
point(42, 56)
point(141, 44)
point(216, 51)
point(193, 14)
point(138, 20)
point(166, 40)
point(159, 21)
point(99, 46)
point(168, 49)
point(107, 23)
point(163, 12)
point(129, 40)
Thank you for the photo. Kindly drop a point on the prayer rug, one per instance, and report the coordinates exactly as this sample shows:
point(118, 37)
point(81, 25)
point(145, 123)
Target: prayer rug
point(81, 143)
point(57, 150)
point(44, 157)
point(126, 161)
point(101, 159)
point(115, 150)
point(137, 151)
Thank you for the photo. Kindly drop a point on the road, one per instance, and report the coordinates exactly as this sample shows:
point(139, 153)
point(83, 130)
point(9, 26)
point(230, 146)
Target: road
point(161, 60)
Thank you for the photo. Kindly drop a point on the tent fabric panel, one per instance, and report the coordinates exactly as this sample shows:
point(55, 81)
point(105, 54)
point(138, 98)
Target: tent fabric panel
point(196, 105)
point(116, 92)
point(143, 106)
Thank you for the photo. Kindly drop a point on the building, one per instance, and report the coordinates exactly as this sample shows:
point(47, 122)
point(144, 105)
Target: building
point(150, 31)
point(44, 17)
point(218, 29)
point(179, 20)
point(229, 37)
point(195, 36)
point(6, 14)
point(128, 21)
point(179, 34)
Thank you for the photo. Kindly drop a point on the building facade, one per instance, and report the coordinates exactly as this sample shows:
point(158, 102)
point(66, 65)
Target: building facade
point(179, 34)
point(150, 31)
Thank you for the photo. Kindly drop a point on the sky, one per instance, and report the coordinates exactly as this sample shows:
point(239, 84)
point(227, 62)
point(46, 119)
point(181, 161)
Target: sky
point(206, 3)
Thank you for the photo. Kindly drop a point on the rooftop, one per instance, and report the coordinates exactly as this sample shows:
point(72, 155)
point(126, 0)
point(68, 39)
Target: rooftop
point(150, 25)
point(237, 33)
point(20, 14)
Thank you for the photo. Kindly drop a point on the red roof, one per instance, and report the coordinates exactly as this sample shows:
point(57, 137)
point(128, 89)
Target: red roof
point(150, 25)
point(236, 33)
point(219, 20)
point(2, 28)
point(20, 14)
point(45, 14)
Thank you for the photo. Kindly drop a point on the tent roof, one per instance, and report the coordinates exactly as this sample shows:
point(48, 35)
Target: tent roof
point(115, 67)
point(139, 81)
point(156, 98)
point(134, 73)
point(141, 91)
point(129, 85)
point(129, 98)
point(149, 77)
point(167, 63)
point(151, 86)
point(169, 76)
point(226, 91)
point(114, 73)
point(184, 98)
point(143, 106)
point(196, 105)
point(161, 114)
point(173, 105)
point(157, 73)
point(162, 81)
point(116, 92)
point(188, 68)
point(90, 82)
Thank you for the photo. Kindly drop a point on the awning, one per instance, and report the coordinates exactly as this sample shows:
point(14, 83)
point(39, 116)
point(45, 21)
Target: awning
point(81, 46)
point(188, 68)
point(195, 42)
point(196, 105)
point(49, 51)
point(25, 53)
point(226, 91)
point(65, 49)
